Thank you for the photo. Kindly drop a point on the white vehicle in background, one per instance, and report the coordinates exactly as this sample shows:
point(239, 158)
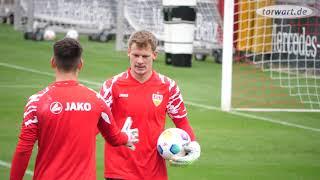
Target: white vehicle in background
point(7, 11)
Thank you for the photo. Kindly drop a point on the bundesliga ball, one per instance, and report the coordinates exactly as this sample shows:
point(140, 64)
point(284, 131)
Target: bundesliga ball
point(49, 35)
point(171, 143)
point(72, 34)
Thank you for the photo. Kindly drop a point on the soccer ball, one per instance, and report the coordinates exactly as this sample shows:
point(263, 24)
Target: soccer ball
point(72, 34)
point(171, 142)
point(49, 35)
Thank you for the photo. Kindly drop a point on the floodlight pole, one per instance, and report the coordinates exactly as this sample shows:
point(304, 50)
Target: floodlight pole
point(17, 15)
point(30, 15)
point(120, 27)
point(227, 55)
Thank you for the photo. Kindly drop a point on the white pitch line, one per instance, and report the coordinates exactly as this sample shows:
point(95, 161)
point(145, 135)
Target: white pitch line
point(20, 86)
point(43, 73)
point(274, 121)
point(202, 106)
point(186, 102)
point(256, 117)
point(8, 165)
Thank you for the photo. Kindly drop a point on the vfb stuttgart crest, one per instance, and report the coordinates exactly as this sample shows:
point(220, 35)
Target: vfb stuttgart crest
point(157, 99)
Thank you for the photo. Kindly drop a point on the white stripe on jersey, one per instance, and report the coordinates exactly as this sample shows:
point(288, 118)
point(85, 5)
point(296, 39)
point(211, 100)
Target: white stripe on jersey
point(177, 98)
point(172, 84)
point(105, 117)
point(31, 107)
point(175, 102)
point(36, 97)
point(107, 91)
point(175, 95)
point(173, 109)
point(161, 77)
point(178, 116)
point(30, 121)
point(28, 112)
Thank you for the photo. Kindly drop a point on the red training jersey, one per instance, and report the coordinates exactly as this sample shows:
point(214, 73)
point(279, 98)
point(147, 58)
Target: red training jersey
point(63, 118)
point(147, 104)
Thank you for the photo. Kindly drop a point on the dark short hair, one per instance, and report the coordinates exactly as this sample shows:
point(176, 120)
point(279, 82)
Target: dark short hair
point(67, 53)
point(143, 39)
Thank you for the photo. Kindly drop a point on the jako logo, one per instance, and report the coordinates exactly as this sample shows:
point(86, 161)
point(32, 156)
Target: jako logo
point(56, 107)
point(285, 11)
point(78, 106)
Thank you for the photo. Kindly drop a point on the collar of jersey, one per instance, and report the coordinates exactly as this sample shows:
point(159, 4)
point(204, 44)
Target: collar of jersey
point(131, 77)
point(65, 83)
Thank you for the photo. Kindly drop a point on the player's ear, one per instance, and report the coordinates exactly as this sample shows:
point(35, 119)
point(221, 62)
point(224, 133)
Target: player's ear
point(80, 64)
point(154, 55)
point(129, 50)
point(53, 63)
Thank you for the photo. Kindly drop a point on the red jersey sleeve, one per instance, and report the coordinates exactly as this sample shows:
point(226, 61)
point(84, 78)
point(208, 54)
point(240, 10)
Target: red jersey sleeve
point(27, 138)
point(106, 92)
point(108, 128)
point(177, 111)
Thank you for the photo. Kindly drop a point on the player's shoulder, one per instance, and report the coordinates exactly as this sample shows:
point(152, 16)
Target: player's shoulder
point(165, 80)
point(89, 92)
point(35, 98)
point(123, 76)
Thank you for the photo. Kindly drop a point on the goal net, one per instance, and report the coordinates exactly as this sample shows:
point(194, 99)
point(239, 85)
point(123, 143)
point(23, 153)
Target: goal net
point(135, 15)
point(276, 59)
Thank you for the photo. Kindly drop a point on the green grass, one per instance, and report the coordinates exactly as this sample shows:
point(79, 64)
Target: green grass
point(233, 147)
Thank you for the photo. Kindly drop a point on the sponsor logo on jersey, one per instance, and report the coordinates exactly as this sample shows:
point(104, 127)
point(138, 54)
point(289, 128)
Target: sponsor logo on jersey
point(157, 99)
point(56, 107)
point(123, 95)
point(78, 106)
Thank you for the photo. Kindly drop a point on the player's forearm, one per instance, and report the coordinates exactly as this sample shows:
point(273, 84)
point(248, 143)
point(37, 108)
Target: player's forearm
point(112, 134)
point(23, 152)
point(119, 139)
point(19, 164)
point(183, 123)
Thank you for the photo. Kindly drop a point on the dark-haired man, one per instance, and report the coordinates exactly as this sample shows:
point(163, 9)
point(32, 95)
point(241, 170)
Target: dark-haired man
point(63, 118)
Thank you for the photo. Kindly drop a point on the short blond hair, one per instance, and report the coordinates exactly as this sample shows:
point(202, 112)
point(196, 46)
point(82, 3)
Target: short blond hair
point(143, 39)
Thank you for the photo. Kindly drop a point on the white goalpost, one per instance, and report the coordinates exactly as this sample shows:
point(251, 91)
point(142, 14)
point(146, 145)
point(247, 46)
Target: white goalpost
point(271, 63)
point(227, 59)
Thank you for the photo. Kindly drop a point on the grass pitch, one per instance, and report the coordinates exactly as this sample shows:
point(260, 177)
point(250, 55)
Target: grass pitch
point(234, 146)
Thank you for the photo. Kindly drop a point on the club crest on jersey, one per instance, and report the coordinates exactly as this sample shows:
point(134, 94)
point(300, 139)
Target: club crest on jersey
point(157, 99)
point(56, 107)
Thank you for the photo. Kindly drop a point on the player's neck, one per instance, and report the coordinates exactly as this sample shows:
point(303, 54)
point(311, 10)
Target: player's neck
point(61, 76)
point(141, 78)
